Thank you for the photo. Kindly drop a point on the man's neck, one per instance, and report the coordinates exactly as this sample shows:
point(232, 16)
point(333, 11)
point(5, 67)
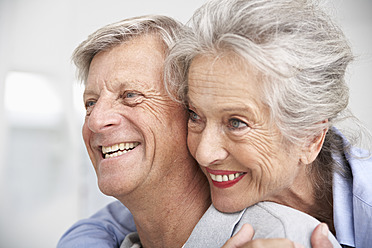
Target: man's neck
point(166, 214)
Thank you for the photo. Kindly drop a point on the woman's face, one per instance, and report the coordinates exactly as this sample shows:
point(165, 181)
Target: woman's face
point(229, 133)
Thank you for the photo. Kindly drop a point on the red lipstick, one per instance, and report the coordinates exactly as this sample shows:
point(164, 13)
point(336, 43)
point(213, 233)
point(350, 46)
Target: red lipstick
point(223, 178)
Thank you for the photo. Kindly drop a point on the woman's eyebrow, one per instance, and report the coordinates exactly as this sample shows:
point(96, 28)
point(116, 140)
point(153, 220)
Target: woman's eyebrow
point(253, 113)
point(232, 109)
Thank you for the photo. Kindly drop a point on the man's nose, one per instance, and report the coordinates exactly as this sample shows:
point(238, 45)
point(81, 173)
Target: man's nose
point(211, 149)
point(103, 117)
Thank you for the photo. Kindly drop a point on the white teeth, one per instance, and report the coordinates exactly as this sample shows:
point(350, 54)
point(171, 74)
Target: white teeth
point(225, 178)
point(115, 154)
point(218, 178)
point(121, 146)
point(118, 149)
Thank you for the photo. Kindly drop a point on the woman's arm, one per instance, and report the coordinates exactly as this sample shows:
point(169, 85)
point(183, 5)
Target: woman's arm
point(243, 239)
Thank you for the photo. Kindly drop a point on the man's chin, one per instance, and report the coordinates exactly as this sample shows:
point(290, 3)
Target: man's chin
point(107, 187)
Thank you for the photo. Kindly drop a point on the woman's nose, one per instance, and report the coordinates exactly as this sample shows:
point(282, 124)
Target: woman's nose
point(103, 117)
point(211, 148)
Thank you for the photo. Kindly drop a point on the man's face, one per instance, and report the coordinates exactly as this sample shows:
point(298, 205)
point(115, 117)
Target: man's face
point(133, 131)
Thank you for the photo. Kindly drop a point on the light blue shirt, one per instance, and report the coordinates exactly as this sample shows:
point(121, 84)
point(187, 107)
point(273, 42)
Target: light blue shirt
point(352, 203)
point(107, 228)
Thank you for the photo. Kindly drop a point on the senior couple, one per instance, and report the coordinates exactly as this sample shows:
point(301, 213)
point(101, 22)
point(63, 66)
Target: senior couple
point(263, 84)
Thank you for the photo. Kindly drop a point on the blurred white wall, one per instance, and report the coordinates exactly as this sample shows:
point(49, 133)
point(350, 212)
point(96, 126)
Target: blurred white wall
point(46, 179)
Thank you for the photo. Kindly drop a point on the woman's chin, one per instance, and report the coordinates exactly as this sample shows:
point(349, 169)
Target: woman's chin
point(227, 205)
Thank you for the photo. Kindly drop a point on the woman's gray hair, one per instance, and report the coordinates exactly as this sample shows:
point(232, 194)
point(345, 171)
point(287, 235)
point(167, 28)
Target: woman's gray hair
point(300, 54)
point(105, 38)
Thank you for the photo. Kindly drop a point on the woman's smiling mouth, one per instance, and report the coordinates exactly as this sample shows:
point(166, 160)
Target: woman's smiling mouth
point(225, 179)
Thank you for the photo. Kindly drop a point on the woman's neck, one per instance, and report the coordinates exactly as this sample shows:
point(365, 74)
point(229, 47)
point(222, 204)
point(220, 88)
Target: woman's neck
point(315, 200)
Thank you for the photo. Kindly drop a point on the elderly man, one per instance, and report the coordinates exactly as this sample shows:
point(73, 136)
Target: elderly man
point(135, 135)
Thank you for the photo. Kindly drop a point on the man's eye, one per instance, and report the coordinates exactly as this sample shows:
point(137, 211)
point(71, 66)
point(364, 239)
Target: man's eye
point(237, 124)
point(89, 104)
point(132, 98)
point(130, 94)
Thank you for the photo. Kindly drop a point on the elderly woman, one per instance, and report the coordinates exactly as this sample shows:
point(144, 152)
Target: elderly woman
point(264, 84)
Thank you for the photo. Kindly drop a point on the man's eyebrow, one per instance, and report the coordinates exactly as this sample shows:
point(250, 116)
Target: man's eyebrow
point(132, 85)
point(88, 92)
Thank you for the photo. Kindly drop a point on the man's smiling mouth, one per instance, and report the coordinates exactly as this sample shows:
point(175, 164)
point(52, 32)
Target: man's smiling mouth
point(118, 149)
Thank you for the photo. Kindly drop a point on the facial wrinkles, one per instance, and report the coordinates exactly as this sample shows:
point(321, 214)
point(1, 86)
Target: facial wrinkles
point(221, 94)
point(214, 91)
point(153, 98)
point(160, 106)
point(264, 144)
point(213, 88)
point(265, 154)
point(208, 84)
point(140, 95)
point(277, 168)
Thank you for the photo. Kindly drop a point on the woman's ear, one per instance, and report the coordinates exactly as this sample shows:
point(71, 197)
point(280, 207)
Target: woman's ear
point(311, 149)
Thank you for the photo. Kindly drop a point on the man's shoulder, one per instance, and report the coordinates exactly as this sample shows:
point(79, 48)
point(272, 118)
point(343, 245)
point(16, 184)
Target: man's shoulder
point(106, 228)
point(132, 240)
point(360, 162)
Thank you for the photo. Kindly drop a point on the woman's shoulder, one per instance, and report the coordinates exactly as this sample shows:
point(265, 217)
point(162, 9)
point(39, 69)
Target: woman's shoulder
point(285, 214)
point(285, 219)
point(273, 220)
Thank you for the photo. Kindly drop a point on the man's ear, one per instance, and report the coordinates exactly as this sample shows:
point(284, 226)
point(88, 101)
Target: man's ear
point(311, 149)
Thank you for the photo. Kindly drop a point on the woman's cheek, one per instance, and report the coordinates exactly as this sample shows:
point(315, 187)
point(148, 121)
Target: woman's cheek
point(192, 143)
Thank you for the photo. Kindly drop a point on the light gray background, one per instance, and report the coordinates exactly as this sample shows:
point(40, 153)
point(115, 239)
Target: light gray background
point(46, 180)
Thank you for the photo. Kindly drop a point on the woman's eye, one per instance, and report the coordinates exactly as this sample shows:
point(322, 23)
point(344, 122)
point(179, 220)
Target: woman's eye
point(237, 124)
point(193, 116)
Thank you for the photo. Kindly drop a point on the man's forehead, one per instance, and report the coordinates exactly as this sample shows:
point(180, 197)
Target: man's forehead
point(122, 85)
point(128, 65)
